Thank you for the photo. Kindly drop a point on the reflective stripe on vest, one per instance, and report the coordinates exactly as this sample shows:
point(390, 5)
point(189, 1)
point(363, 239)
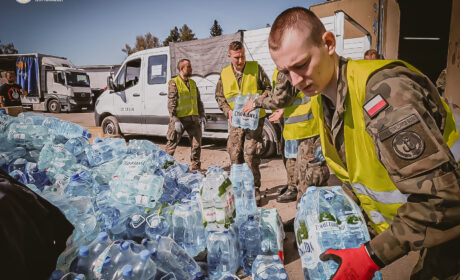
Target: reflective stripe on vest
point(378, 195)
point(299, 122)
point(187, 104)
point(248, 84)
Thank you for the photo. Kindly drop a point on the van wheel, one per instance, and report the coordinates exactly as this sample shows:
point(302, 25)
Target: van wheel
point(110, 126)
point(54, 106)
point(268, 140)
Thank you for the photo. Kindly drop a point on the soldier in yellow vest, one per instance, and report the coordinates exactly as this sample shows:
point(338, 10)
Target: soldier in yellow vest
point(186, 113)
point(385, 131)
point(299, 125)
point(245, 77)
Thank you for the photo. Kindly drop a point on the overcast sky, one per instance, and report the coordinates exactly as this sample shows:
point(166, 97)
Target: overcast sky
point(93, 32)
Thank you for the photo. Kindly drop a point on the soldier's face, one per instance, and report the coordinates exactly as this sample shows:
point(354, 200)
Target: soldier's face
point(187, 69)
point(307, 66)
point(238, 59)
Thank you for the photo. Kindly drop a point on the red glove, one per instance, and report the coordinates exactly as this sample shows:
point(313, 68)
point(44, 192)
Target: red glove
point(354, 264)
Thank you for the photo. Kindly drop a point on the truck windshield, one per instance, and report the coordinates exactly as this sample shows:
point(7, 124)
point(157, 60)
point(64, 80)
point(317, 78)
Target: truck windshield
point(77, 79)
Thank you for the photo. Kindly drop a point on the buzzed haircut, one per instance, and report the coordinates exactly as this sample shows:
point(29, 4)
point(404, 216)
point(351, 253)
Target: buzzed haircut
point(296, 18)
point(235, 46)
point(181, 63)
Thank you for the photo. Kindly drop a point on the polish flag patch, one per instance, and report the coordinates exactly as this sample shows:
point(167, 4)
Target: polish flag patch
point(375, 106)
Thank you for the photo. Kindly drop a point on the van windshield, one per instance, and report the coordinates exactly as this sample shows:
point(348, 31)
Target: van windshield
point(77, 79)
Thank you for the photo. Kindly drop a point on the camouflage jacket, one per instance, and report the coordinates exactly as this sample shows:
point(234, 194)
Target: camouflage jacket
point(172, 101)
point(283, 95)
point(263, 83)
point(431, 215)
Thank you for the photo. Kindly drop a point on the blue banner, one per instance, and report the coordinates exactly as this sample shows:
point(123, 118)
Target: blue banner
point(27, 73)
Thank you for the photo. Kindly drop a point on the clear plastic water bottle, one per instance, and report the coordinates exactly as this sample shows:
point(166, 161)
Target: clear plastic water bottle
point(184, 230)
point(35, 176)
point(80, 184)
point(64, 128)
point(8, 156)
point(290, 148)
point(142, 147)
point(28, 136)
point(156, 225)
point(243, 187)
point(268, 267)
point(135, 227)
point(269, 245)
point(222, 254)
point(328, 226)
point(127, 272)
point(145, 268)
point(82, 263)
point(106, 150)
point(56, 275)
point(250, 243)
point(173, 258)
point(77, 145)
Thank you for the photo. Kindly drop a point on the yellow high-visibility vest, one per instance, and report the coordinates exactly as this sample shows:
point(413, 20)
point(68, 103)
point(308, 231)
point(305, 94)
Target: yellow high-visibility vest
point(299, 122)
point(187, 102)
point(248, 85)
point(379, 196)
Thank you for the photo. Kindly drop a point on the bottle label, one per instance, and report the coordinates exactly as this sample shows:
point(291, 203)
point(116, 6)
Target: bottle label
point(209, 214)
point(326, 226)
point(308, 254)
point(141, 199)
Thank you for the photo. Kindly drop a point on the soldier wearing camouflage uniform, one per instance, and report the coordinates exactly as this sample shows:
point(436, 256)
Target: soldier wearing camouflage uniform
point(242, 143)
point(385, 130)
point(186, 113)
point(302, 171)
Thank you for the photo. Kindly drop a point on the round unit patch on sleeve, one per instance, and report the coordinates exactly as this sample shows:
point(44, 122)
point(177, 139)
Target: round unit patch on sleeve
point(408, 145)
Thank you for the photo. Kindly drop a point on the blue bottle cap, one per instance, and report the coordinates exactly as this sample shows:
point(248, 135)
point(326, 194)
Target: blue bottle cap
point(83, 251)
point(74, 176)
point(80, 277)
point(107, 261)
point(145, 255)
point(124, 245)
point(128, 270)
point(154, 252)
point(57, 274)
point(101, 237)
point(250, 217)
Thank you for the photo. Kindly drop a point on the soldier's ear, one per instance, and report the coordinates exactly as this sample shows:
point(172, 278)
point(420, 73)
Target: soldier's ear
point(329, 42)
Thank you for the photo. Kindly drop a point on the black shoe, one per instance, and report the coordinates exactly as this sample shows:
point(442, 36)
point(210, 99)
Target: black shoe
point(257, 195)
point(282, 190)
point(288, 196)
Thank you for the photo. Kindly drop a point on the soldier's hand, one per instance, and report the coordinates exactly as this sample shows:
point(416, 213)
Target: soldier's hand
point(203, 121)
point(276, 116)
point(354, 264)
point(230, 115)
point(178, 127)
point(248, 106)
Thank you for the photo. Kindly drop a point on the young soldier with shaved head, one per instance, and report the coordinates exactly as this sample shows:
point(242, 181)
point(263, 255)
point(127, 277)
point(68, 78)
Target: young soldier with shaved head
point(386, 132)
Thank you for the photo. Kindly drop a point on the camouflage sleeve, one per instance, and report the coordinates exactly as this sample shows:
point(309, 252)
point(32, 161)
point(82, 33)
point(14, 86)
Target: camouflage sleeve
point(408, 140)
point(263, 82)
point(281, 97)
point(200, 104)
point(220, 98)
point(172, 100)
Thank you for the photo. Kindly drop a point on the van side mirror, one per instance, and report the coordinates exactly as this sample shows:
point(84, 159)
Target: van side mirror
point(110, 83)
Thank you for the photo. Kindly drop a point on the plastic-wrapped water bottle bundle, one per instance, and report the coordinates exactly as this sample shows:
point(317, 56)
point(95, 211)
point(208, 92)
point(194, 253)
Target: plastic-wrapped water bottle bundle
point(327, 218)
point(113, 191)
point(249, 121)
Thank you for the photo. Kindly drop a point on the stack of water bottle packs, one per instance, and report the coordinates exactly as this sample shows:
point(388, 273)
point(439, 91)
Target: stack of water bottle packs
point(327, 219)
point(138, 213)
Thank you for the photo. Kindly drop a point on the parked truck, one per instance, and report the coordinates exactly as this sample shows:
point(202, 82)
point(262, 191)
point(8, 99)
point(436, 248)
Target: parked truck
point(136, 100)
point(53, 83)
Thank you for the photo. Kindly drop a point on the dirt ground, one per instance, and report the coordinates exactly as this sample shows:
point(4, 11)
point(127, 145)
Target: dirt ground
point(273, 178)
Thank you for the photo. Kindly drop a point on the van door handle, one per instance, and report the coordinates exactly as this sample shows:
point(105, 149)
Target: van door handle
point(163, 93)
point(136, 94)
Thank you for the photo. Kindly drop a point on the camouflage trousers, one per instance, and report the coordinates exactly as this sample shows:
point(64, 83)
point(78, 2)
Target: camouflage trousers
point(242, 147)
point(192, 126)
point(308, 173)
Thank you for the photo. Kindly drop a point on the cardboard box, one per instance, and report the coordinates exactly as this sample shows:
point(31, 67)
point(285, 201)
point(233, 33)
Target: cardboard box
point(12, 110)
